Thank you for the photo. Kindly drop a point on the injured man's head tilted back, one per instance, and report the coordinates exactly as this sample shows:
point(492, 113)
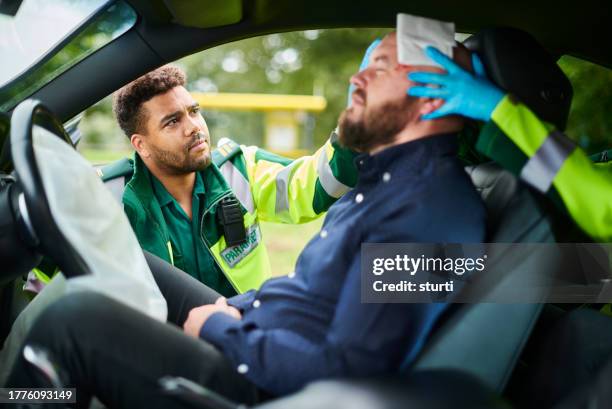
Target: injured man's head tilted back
point(379, 113)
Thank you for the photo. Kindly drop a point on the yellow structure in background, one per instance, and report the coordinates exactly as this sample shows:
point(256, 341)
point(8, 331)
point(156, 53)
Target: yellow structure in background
point(284, 114)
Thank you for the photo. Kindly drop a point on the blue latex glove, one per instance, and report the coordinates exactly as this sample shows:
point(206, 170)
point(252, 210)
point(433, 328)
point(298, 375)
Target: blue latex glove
point(364, 64)
point(467, 94)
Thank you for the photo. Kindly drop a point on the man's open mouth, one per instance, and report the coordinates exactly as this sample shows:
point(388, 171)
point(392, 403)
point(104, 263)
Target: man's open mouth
point(358, 97)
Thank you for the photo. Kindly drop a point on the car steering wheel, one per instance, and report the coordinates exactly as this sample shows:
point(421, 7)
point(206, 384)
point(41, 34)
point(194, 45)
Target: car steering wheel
point(32, 116)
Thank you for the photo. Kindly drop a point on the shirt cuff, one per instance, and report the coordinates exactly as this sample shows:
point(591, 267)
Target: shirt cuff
point(216, 326)
point(242, 301)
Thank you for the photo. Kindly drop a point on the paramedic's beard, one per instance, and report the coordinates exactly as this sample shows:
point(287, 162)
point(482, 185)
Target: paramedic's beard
point(183, 161)
point(378, 126)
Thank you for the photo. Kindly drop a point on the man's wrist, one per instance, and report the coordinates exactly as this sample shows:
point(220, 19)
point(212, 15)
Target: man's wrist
point(499, 107)
point(493, 100)
point(242, 301)
point(216, 325)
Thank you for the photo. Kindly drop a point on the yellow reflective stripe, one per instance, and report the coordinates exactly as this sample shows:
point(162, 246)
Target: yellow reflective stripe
point(169, 245)
point(239, 184)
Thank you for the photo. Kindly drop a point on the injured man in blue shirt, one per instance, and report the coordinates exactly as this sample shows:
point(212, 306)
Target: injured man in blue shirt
point(306, 326)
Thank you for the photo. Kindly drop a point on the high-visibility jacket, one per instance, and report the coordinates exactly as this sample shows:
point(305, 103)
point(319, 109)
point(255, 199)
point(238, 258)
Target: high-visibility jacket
point(550, 162)
point(268, 187)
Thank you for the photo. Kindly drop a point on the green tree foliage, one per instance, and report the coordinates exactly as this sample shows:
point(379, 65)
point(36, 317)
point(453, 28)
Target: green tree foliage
point(316, 62)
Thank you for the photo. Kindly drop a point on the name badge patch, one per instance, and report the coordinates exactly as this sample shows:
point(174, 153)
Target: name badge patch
point(233, 255)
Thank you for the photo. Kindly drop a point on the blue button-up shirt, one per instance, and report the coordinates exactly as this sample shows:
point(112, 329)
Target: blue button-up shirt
point(312, 324)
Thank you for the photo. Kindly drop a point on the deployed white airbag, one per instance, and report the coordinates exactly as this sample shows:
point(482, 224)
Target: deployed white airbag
point(96, 226)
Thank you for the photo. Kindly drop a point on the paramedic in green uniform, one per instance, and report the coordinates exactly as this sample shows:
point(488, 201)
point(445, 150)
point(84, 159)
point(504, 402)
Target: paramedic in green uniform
point(199, 209)
point(184, 229)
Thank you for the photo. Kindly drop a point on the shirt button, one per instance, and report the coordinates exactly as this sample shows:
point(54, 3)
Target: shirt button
point(359, 198)
point(243, 368)
point(386, 177)
point(323, 234)
point(256, 304)
point(291, 274)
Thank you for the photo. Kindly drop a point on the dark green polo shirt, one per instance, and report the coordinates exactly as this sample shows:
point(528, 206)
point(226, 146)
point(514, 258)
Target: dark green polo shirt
point(189, 250)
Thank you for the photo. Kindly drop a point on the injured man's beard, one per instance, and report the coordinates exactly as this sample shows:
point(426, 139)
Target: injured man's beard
point(378, 126)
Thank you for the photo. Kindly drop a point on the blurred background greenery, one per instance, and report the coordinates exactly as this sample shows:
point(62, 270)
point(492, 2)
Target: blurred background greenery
point(316, 62)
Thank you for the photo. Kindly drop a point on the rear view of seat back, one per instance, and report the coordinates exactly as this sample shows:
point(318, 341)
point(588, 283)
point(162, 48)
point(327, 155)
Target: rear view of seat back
point(486, 339)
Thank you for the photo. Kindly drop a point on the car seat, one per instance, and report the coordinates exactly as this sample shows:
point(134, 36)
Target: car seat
point(485, 340)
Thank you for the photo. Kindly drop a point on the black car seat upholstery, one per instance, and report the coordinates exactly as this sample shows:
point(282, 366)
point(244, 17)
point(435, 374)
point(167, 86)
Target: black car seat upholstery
point(432, 389)
point(485, 340)
point(12, 301)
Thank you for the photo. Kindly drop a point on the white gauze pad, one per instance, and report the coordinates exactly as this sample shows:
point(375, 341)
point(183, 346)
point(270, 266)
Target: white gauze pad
point(415, 33)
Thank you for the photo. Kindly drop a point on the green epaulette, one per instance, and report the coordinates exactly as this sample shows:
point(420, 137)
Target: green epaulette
point(120, 168)
point(226, 150)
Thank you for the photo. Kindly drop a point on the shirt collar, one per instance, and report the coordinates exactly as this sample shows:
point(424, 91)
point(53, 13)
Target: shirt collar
point(407, 157)
point(198, 188)
point(164, 197)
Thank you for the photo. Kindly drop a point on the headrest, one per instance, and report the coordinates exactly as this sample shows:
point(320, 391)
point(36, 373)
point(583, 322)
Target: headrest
point(517, 63)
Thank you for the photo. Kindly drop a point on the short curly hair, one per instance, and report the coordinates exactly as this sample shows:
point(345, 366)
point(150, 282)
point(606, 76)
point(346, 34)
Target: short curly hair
point(127, 101)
